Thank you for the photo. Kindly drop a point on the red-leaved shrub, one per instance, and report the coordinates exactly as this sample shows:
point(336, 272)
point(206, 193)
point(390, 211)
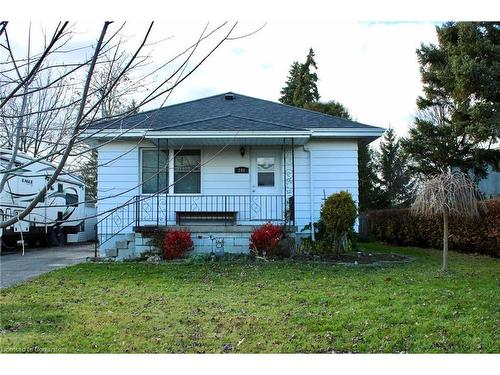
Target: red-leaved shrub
point(177, 243)
point(265, 239)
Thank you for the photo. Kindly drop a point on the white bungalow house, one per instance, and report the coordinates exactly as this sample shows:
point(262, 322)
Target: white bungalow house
point(220, 166)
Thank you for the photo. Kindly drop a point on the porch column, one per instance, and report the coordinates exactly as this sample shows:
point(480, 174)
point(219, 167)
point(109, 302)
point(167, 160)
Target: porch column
point(289, 179)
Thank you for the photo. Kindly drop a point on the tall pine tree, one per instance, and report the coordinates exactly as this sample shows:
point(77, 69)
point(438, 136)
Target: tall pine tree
point(301, 85)
point(291, 84)
point(460, 110)
point(395, 184)
point(370, 196)
point(300, 90)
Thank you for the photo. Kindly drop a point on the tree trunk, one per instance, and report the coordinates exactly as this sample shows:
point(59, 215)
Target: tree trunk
point(445, 241)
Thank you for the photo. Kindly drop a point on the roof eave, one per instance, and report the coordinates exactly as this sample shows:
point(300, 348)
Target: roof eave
point(347, 132)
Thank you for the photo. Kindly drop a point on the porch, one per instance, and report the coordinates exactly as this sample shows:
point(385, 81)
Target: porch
point(217, 223)
point(204, 185)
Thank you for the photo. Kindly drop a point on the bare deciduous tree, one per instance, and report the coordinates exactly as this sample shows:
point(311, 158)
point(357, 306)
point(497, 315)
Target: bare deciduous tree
point(45, 117)
point(95, 88)
point(450, 194)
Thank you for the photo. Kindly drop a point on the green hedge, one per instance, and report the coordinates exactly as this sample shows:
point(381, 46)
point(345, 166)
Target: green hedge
point(398, 226)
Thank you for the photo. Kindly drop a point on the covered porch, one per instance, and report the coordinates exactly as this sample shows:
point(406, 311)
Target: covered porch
point(227, 184)
point(237, 180)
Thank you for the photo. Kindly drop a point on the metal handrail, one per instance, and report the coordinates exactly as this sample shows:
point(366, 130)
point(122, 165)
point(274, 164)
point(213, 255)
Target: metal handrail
point(105, 237)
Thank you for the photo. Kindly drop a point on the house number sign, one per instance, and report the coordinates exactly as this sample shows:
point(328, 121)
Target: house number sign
point(241, 170)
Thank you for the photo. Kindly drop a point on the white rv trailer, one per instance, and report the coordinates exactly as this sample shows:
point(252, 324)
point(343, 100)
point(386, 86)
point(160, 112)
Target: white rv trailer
point(58, 215)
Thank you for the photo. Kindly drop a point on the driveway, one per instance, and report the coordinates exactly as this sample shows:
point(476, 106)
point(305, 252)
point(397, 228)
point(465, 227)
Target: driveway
point(15, 268)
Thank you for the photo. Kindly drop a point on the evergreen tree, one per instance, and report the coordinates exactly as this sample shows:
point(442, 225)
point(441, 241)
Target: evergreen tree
point(460, 110)
point(307, 89)
point(300, 87)
point(394, 179)
point(369, 192)
point(290, 85)
point(89, 175)
point(300, 90)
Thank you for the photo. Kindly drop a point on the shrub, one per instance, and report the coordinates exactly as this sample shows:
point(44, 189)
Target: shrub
point(338, 214)
point(177, 243)
point(265, 239)
point(398, 226)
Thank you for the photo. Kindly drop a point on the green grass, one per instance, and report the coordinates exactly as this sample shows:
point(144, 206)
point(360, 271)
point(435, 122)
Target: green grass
point(259, 307)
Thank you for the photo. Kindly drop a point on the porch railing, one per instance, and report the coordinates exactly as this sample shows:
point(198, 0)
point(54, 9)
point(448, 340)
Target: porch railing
point(163, 209)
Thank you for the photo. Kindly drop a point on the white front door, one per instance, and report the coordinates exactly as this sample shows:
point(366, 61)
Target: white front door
point(266, 180)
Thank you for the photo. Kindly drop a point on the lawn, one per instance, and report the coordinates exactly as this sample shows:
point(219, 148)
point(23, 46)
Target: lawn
point(265, 307)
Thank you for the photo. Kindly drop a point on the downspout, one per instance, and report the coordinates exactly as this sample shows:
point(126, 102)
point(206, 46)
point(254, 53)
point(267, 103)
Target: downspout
point(311, 204)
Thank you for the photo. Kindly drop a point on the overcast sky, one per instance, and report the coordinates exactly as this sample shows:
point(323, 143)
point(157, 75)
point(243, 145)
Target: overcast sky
point(370, 67)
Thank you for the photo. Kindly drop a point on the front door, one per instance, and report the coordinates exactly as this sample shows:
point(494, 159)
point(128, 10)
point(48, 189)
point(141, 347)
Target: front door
point(266, 176)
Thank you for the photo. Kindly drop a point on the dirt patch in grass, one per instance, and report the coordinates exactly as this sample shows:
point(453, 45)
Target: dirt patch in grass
point(360, 258)
point(372, 258)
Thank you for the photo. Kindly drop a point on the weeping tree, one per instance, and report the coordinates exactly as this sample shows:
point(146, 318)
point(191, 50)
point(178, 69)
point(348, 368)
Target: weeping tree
point(449, 194)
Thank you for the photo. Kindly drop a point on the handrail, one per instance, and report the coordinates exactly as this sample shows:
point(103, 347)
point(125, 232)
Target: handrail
point(105, 237)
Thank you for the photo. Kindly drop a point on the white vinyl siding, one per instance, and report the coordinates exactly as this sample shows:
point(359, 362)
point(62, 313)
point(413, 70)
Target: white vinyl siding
point(218, 175)
point(334, 168)
point(118, 180)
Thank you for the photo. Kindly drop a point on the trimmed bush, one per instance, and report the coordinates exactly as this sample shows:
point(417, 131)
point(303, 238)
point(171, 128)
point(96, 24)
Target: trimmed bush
point(176, 244)
point(338, 214)
point(399, 226)
point(265, 239)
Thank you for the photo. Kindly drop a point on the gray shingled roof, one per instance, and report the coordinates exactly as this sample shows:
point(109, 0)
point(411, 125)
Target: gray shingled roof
point(241, 113)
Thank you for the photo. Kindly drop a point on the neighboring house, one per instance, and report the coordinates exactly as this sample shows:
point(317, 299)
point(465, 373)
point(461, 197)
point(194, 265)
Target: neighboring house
point(490, 186)
point(220, 166)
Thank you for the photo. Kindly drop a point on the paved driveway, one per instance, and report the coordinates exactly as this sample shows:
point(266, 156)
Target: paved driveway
point(15, 268)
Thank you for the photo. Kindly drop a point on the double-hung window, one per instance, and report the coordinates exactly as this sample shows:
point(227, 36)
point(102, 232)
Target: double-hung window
point(187, 171)
point(154, 171)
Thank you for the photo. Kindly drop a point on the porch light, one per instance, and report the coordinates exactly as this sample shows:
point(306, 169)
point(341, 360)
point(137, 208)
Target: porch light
point(242, 151)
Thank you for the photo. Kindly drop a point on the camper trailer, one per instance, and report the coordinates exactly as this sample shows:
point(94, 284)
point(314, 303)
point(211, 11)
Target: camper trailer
point(59, 217)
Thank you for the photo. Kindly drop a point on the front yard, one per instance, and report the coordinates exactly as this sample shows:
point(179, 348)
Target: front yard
point(264, 307)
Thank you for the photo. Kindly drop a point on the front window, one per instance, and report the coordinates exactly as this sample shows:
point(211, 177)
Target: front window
point(265, 172)
point(187, 172)
point(154, 170)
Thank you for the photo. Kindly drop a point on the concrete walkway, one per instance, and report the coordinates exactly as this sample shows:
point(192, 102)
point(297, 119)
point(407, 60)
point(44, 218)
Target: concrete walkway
point(15, 268)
